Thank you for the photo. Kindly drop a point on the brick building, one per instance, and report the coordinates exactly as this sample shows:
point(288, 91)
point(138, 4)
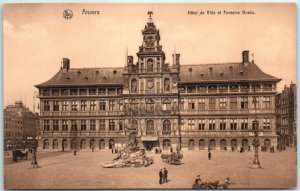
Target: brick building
point(19, 124)
point(286, 116)
point(190, 106)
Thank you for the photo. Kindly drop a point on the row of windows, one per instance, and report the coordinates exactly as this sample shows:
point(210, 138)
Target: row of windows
point(13, 134)
point(224, 88)
point(91, 91)
point(13, 127)
point(13, 121)
point(224, 102)
point(82, 125)
point(210, 124)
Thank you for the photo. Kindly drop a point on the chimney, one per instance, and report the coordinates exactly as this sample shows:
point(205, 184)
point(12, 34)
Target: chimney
point(245, 56)
point(176, 59)
point(66, 64)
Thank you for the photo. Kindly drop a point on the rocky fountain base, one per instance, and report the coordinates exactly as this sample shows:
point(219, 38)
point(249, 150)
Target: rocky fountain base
point(130, 158)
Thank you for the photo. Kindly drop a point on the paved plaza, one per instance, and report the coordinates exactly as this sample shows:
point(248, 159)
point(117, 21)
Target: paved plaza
point(63, 170)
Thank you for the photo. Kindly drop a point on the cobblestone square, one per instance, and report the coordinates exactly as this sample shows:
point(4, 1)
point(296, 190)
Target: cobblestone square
point(63, 170)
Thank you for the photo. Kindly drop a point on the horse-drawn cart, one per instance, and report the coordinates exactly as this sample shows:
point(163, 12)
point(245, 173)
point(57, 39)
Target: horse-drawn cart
point(172, 158)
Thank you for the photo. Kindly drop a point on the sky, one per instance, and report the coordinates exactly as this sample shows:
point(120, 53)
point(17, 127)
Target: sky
point(37, 37)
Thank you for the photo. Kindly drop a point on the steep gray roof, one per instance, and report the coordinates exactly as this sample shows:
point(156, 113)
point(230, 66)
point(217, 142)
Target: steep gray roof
point(85, 77)
point(222, 72)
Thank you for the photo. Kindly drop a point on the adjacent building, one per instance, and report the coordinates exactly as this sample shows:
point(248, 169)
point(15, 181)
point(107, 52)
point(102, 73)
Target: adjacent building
point(214, 106)
point(20, 124)
point(286, 116)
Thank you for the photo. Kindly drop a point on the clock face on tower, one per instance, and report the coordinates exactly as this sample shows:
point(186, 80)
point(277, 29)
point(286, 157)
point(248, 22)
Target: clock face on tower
point(150, 41)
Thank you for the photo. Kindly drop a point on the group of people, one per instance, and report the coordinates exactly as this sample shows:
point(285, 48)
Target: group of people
point(163, 176)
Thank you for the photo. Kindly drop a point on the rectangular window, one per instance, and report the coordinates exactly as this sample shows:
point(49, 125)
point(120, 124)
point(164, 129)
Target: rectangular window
point(244, 102)
point(233, 124)
point(55, 125)
point(83, 125)
point(102, 105)
point(266, 123)
point(233, 103)
point(201, 124)
point(46, 106)
point(111, 125)
point(92, 125)
point(102, 91)
point(201, 104)
point(64, 125)
point(191, 124)
point(181, 104)
point(55, 105)
point(255, 124)
point(223, 103)
point(73, 125)
point(120, 125)
point(83, 105)
point(255, 102)
point(65, 105)
point(223, 124)
point(102, 124)
point(46, 125)
point(112, 105)
point(74, 105)
point(212, 124)
point(266, 102)
point(121, 105)
point(202, 89)
point(92, 105)
point(191, 104)
point(244, 124)
point(212, 103)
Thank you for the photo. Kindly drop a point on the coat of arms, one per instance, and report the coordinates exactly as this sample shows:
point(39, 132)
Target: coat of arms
point(150, 83)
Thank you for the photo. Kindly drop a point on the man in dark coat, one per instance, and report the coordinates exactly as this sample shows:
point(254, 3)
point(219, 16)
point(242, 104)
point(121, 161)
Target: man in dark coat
point(209, 155)
point(165, 175)
point(161, 176)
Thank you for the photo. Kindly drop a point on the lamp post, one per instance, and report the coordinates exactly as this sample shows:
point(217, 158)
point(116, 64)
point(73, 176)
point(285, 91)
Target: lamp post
point(256, 143)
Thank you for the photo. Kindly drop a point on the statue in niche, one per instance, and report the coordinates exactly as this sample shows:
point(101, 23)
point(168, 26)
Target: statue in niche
point(167, 84)
point(134, 86)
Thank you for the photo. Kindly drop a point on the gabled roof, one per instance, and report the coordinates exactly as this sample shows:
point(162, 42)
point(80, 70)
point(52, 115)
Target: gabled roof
point(222, 73)
point(85, 77)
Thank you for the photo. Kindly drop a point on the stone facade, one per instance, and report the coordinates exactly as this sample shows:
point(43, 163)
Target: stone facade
point(173, 105)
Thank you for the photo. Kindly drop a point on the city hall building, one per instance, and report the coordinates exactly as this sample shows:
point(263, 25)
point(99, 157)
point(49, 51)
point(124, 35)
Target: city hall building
point(194, 107)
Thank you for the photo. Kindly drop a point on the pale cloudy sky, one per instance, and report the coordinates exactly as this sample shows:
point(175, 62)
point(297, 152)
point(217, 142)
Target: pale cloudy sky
point(37, 37)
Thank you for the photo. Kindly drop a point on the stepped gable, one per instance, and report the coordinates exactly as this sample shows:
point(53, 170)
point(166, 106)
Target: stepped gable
point(222, 73)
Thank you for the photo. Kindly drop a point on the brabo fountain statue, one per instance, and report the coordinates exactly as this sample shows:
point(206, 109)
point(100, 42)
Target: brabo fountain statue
point(131, 155)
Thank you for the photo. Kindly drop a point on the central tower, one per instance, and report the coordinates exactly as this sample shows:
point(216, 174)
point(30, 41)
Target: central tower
point(150, 90)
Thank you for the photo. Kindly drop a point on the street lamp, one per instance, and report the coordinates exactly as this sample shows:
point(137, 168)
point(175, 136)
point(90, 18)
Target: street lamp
point(256, 143)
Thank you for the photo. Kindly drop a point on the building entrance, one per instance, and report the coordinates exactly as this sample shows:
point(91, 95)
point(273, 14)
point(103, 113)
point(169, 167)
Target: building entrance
point(149, 145)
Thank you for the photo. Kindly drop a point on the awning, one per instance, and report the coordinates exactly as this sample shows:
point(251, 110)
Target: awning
point(149, 138)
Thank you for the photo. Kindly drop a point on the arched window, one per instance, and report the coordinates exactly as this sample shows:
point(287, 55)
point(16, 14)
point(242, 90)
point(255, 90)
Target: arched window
point(150, 65)
point(73, 144)
point(166, 127)
point(46, 144)
point(166, 104)
point(201, 144)
point(150, 127)
point(101, 144)
point(245, 144)
point(191, 144)
point(134, 86)
point(166, 144)
point(134, 104)
point(150, 105)
point(233, 144)
point(111, 144)
point(167, 84)
point(64, 144)
point(212, 144)
point(223, 144)
point(92, 144)
point(82, 144)
point(55, 144)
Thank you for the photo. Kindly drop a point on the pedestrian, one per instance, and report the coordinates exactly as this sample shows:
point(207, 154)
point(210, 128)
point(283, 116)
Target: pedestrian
point(165, 175)
point(177, 150)
point(209, 155)
point(171, 149)
point(161, 176)
point(74, 151)
point(225, 148)
point(249, 148)
point(198, 180)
